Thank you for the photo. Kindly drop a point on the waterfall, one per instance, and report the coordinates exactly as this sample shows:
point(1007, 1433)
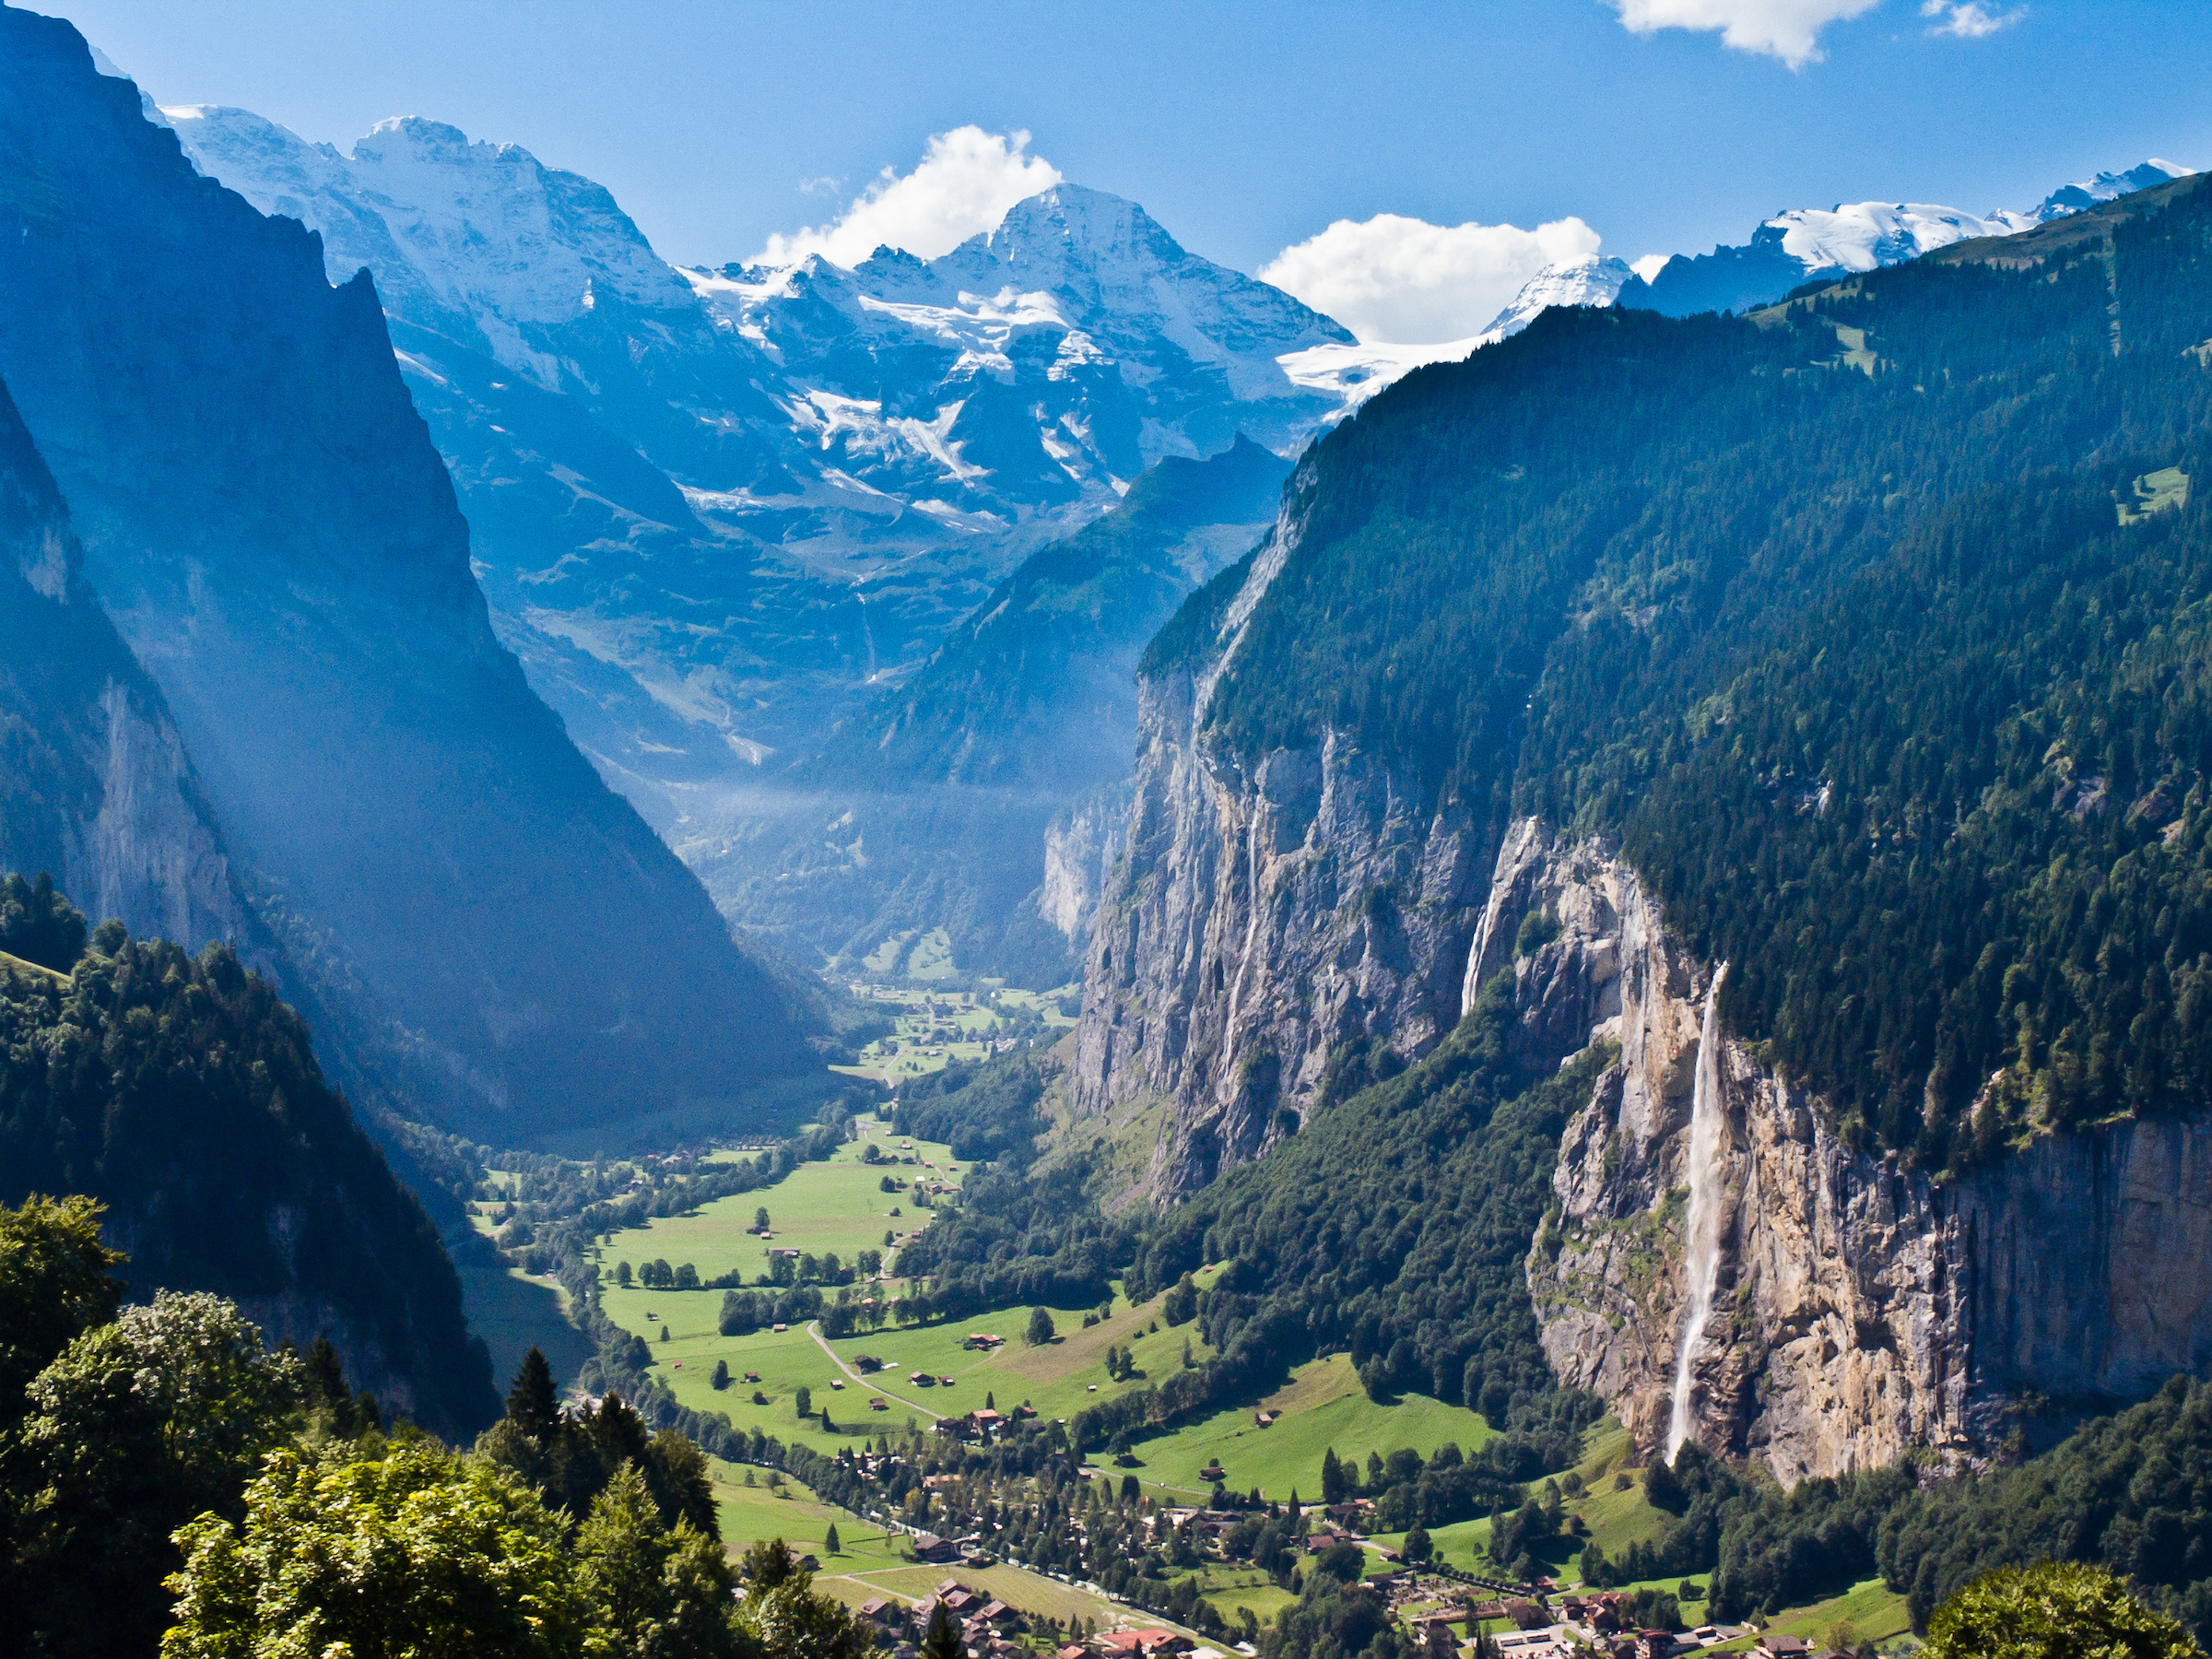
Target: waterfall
point(1704, 1240)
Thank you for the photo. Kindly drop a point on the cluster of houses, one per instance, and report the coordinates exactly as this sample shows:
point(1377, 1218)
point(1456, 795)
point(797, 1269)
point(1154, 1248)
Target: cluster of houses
point(983, 1423)
point(987, 1626)
point(943, 1552)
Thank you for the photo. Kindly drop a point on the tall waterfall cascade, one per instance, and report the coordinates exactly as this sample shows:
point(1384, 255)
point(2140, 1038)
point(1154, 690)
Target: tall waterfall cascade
point(1703, 1271)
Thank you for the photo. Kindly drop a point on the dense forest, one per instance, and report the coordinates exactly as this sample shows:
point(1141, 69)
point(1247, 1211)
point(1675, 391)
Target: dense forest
point(1870, 625)
point(1394, 1226)
point(169, 1481)
point(180, 1092)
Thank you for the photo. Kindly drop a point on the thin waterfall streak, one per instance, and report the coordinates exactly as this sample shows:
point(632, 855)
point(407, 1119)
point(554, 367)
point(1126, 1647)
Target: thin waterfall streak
point(1703, 1264)
point(867, 632)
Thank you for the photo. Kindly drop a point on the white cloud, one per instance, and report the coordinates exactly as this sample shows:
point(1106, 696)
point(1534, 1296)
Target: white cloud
point(1968, 19)
point(1408, 282)
point(1788, 30)
point(963, 184)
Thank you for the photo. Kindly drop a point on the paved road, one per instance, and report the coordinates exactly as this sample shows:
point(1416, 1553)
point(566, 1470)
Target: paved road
point(814, 1329)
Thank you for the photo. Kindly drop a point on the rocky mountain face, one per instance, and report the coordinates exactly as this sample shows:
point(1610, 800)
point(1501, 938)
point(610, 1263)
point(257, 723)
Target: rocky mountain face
point(311, 1232)
point(263, 515)
point(720, 515)
point(816, 424)
point(97, 789)
point(1569, 662)
point(1862, 1308)
point(1264, 911)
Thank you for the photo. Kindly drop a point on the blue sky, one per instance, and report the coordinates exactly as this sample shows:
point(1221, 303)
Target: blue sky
point(1243, 127)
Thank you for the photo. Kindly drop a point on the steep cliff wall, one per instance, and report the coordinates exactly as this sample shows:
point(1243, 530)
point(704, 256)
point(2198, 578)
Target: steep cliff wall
point(1082, 848)
point(1861, 1310)
point(1264, 913)
point(263, 515)
point(96, 788)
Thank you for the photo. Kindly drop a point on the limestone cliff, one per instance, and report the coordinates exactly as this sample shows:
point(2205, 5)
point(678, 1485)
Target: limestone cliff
point(1263, 913)
point(97, 790)
point(1862, 1309)
point(1082, 846)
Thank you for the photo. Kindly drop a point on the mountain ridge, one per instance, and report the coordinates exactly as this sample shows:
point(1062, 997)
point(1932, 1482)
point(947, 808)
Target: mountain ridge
point(262, 513)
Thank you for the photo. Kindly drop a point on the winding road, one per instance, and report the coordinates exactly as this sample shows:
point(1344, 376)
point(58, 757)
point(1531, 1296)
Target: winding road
point(814, 1329)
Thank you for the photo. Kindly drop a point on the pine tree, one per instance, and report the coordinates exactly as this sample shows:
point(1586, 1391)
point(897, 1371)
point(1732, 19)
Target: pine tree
point(942, 1641)
point(533, 1403)
point(831, 1543)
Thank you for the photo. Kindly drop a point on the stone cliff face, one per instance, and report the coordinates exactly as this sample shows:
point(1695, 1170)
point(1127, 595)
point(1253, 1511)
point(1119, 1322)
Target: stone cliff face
point(1263, 915)
point(1861, 1310)
point(1082, 845)
point(98, 790)
point(264, 516)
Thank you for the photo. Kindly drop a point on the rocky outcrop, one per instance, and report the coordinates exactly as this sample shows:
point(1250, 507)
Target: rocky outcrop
point(1082, 845)
point(97, 789)
point(1263, 914)
point(1861, 1309)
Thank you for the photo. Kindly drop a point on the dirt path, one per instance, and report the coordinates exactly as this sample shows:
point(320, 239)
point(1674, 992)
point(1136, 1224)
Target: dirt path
point(814, 1329)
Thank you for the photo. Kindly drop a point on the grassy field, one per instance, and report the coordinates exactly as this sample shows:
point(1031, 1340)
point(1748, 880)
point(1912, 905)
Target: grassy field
point(835, 1205)
point(514, 1312)
point(934, 1027)
point(1321, 1406)
point(871, 1562)
point(1057, 1379)
point(1874, 1611)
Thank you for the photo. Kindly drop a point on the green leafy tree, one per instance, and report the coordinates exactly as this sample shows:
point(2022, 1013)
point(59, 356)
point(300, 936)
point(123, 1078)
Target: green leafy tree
point(803, 1401)
point(760, 1220)
point(415, 1553)
point(135, 1427)
point(1418, 1547)
point(721, 1378)
point(1041, 1327)
point(55, 1284)
point(533, 1402)
point(783, 1612)
point(941, 1639)
point(650, 1591)
point(2053, 1610)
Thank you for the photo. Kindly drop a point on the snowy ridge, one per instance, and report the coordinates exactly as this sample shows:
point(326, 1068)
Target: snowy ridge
point(1866, 236)
point(478, 239)
point(2105, 187)
point(1590, 280)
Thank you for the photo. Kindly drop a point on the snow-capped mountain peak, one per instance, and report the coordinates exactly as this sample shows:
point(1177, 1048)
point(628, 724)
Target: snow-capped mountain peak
point(1864, 236)
point(2104, 187)
point(481, 241)
point(1593, 279)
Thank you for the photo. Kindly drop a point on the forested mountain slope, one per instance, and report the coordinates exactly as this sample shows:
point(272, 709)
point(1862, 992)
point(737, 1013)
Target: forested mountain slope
point(182, 1094)
point(264, 514)
point(1855, 644)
